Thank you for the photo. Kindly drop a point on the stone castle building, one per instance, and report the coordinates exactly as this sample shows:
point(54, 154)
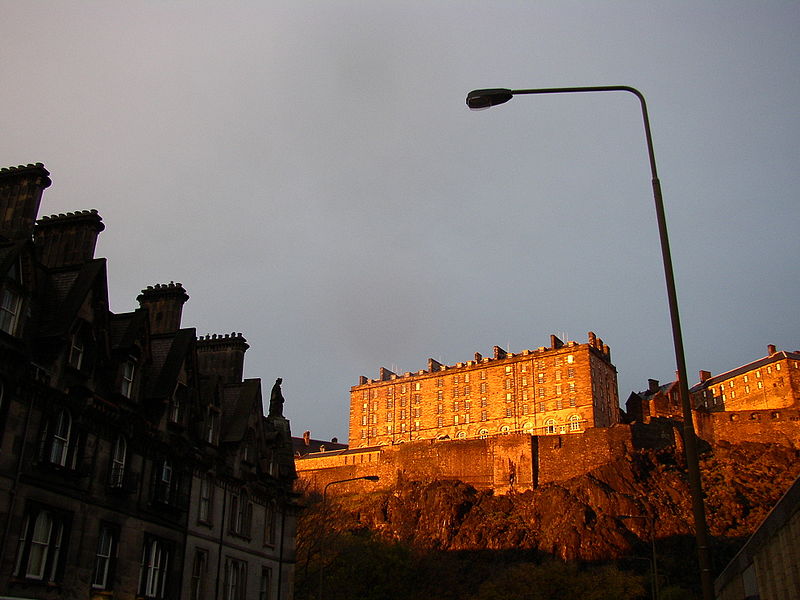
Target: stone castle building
point(517, 430)
point(135, 460)
point(564, 388)
point(757, 401)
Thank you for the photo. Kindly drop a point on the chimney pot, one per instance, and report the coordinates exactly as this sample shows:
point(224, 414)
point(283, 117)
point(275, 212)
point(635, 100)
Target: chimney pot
point(771, 349)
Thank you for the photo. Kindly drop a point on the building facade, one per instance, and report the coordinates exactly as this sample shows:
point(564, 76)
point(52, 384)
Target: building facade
point(564, 388)
point(111, 422)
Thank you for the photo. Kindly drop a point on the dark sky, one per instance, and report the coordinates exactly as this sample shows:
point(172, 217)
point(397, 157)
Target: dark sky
point(310, 172)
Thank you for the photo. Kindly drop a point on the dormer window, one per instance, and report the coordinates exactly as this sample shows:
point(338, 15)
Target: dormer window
point(76, 352)
point(178, 404)
point(10, 308)
point(128, 373)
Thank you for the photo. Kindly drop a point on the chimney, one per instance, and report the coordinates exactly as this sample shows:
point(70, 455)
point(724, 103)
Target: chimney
point(164, 302)
point(555, 342)
point(307, 438)
point(20, 195)
point(771, 349)
point(222, 355)
point(705, 376)
point(385, 374)
point(67, 239)
point(652, 385)
point(498, 352)
point(478, 357)
point(362, 379)
point(592, 339)
point(434, 365)
point(334, 440)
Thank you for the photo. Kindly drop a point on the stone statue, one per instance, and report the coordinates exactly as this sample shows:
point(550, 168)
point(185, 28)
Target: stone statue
point(276, 399)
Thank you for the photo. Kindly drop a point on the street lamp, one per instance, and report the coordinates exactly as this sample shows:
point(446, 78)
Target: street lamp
point(322, 537)
point(651, 520)
point(482, 99)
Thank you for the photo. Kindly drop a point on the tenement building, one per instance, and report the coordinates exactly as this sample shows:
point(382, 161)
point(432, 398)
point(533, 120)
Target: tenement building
point(135, 460)
point(566, 387)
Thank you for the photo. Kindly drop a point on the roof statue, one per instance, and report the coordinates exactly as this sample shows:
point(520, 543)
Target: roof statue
point(276, 400)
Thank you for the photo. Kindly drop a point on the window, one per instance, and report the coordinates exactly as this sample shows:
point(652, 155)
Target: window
point(264, 584)
point(211, 425)
point(241, 514)
point(483, 434)
point(508, 411)
point(165, 486)
point(541, 407)
point(570, 372)
point(76, 352)
point(105, 558)
point(558, 389)
point(56, 439)
point(128, 372)
point(550, 426)
point(484, 415)
point(540, 378)
point(153, 568)
point(269, 524)
point(439, 422)
point(438, 382)
point(42, 536)
point(572, 402)
point(119, 455)
point(483, 388)
point(574, 423)
point(10, 311)
point(235, 579)
point(570, 358)
point(558, 374)
point(204, 503)
point(199, 568)
point(528, 428)
point(505, 430)
point(178, 403)
point(540, 392)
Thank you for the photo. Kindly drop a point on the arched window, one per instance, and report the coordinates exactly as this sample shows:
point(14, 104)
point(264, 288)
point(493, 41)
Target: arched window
point(505, 430)
point(527, 428)
point(483, 434)
point(550, 426)
point(461, 435)
point(575, 423)
point(119, 458)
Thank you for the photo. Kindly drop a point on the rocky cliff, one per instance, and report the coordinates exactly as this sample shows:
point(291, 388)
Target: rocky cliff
point(580, 518)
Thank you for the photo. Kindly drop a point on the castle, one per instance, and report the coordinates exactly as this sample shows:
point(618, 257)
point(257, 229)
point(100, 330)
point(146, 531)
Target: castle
point(566, 387)
point(516, 421)
point(135, 459)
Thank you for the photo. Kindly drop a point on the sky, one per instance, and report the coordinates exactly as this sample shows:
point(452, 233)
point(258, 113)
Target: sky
point(310, 173)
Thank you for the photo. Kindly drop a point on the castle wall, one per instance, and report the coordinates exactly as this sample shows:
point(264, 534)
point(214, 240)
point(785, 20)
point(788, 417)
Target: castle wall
point(504, 463)
point(779, 426)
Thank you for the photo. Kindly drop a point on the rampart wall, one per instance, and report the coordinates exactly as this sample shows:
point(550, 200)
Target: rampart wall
point(777, 426)
point(504, 463)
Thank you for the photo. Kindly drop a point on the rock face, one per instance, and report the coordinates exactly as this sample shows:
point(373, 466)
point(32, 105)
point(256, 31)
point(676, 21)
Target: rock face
point(579, 519)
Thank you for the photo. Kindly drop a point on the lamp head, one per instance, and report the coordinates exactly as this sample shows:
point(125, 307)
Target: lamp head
point(483, 99)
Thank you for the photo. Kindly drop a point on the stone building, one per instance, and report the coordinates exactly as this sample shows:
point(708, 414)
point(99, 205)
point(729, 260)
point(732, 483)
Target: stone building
point(109, 425)
point(757, 401)
point(564, 388)
point(768, 565)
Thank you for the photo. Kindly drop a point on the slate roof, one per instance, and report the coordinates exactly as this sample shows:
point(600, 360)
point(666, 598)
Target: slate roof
point(238, 402)
point(168, 353)
point(69, 289)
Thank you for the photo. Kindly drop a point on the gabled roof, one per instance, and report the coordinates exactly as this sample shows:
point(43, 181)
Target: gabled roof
point(125, 328)
point(168, 353)
point(69, 289)
point(761, 362)
point(239, 405)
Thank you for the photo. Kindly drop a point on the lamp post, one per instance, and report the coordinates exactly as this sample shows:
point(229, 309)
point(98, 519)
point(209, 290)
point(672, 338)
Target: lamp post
point(481, 99)
point(322, 537)
point(651, 521)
